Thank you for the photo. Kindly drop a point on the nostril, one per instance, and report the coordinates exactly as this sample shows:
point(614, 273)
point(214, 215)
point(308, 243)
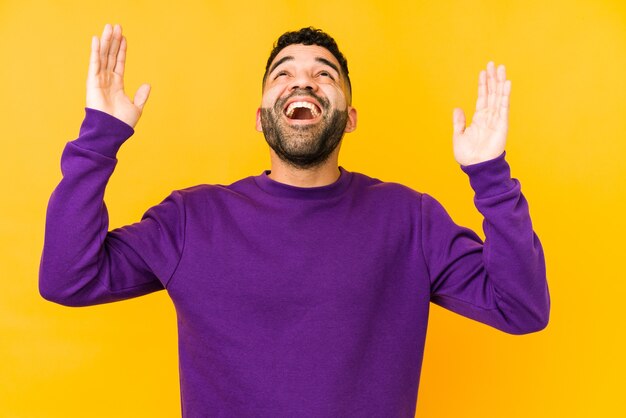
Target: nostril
point(302, 85)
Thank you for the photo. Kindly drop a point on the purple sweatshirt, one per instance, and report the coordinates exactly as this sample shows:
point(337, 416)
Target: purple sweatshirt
point(307, 302)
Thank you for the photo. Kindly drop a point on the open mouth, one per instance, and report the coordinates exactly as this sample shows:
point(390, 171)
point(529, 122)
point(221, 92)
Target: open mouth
point(302, 111)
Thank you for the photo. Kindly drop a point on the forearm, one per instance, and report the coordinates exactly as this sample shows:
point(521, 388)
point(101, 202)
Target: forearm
point(502, 281)
point(76, 267)
point(512, 254)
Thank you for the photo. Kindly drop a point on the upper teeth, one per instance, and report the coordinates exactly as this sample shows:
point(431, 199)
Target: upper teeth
point(293, 106)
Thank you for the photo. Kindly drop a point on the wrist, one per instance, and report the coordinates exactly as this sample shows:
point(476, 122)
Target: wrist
point(103, 133)
point(490, 177)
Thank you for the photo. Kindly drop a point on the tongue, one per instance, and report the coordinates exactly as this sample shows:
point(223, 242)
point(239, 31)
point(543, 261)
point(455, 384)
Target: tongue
point(302, 113)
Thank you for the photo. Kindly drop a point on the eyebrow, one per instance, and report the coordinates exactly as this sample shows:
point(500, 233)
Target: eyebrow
point(318, 59)
point(280, 61)
point(330, 64)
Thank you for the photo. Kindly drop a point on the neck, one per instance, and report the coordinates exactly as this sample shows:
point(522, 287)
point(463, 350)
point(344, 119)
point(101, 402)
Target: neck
point(322, 175)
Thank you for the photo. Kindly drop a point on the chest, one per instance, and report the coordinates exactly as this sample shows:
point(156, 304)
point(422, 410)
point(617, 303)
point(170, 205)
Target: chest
point(276, 266)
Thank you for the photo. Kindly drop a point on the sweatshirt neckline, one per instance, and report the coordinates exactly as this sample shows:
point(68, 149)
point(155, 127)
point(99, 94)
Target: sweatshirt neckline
point(275, 188)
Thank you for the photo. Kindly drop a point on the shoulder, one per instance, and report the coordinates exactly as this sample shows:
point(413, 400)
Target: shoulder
point(383, 189)
point(203, 193)
point(397, 199)
point(202, 189)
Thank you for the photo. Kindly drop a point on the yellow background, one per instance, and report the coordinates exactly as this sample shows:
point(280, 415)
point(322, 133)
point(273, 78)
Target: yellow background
point(411, 62)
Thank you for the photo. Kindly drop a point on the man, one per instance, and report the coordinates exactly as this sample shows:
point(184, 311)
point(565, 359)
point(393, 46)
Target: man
point(303, 291)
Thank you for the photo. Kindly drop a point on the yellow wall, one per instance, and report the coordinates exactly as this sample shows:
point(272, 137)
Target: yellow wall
point(411, 63)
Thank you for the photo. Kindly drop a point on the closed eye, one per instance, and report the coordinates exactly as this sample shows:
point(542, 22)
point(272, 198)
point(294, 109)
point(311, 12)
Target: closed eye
point(326, 74)
point(280, 74)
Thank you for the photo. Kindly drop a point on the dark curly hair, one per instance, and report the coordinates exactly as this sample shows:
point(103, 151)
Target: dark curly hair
point(309, 36)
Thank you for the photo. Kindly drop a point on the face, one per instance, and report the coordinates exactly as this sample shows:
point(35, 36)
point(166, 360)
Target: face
point(305, 108)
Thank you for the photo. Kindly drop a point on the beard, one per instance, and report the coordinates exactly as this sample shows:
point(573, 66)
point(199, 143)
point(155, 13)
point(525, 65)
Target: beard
point(303, 146)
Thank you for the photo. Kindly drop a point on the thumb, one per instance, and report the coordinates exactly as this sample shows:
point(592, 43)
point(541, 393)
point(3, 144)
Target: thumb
point(458, 121)
point(143, 92)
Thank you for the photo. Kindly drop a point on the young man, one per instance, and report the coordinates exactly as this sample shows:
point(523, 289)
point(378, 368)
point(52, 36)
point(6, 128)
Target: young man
point(303, 291)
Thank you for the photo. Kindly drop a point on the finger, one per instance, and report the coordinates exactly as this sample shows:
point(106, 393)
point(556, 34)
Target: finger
point(94, 58)
point(491, 84)
point(481, 102)
point(458, 121)
point(105, 42)
point(116, 40)
point(500, 80)
point(120, 64)
point(501, 73)
point(143, 92)
point(504, 103)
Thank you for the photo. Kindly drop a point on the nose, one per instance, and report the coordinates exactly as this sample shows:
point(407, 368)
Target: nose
point(303, 81)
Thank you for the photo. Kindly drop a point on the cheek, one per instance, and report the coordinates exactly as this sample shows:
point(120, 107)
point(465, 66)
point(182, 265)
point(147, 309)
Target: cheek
point(338, 101)
point(270, 96)
point(267, 101)
point(335, 95)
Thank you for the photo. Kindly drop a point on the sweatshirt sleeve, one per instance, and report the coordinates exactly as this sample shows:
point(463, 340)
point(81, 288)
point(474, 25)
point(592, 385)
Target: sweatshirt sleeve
point(501, 282)
point(82, 262)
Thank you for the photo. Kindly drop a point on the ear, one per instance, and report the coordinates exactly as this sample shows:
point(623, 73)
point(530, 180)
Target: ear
point(351, 125)
point(259, 127)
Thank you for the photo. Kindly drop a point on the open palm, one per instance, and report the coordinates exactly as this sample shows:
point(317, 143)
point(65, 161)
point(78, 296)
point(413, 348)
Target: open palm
point(105, 80)
point(485, 138)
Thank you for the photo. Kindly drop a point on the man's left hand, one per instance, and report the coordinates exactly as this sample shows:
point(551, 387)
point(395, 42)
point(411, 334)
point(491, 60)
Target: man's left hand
point(485, 138)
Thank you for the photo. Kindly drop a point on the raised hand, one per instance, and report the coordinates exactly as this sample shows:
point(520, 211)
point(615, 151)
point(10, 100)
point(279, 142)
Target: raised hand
point(485, 138)
point(105, 80)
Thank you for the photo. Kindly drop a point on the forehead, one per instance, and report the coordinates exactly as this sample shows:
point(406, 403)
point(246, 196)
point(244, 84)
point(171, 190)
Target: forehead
point(305, 53)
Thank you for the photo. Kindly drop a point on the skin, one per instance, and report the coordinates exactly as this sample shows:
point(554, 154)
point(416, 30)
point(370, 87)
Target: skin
point(105, 78)
point(484, 139)
point(306, 71)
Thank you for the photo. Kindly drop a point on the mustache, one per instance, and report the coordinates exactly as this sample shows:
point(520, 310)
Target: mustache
point(280, 103)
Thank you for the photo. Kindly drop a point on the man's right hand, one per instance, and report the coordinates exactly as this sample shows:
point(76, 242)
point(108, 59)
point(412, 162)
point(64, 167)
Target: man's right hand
point(105, 80)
